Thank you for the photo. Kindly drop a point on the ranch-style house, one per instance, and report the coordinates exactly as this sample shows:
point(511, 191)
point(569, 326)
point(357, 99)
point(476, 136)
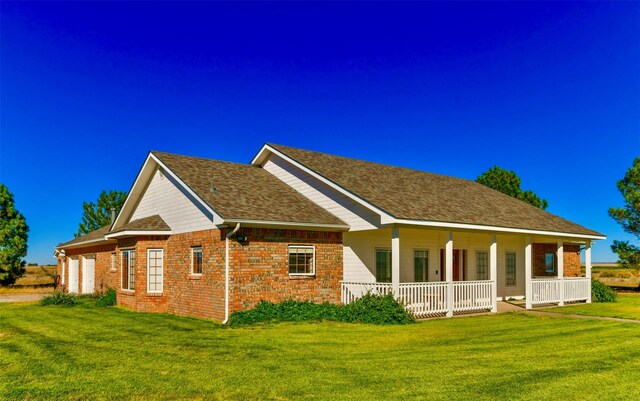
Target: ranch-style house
point(206, 238)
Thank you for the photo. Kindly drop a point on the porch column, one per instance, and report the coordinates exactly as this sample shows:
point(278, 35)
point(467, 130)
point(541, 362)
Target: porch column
point(493, 272)
point(448, 263)
point(528, 291)
point(561, 271)
point(395, 261)
point(587, 265)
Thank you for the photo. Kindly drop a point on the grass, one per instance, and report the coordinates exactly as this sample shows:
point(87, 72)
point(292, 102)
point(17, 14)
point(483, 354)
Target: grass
point(627, 307)
point(85, 352)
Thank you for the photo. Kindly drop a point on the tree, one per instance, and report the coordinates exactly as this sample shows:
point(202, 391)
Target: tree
point(97, 215)
point(508, 182)
point(628, 216)
point(13, 239)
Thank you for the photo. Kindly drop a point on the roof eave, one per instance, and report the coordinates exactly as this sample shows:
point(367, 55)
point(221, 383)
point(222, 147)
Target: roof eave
point(133, 233)
point(288, 224)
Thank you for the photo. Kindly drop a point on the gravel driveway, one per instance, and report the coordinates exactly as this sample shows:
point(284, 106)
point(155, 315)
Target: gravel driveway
point(22, 297)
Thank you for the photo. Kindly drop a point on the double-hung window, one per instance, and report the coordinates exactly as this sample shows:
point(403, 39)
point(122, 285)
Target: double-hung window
point(510, 263)
point(128, 269)
point(155, 270)
point(383, 265)
point(301, 260)
point(196, 260)
point(482, 265)
point(421, 266)
point(550, 262)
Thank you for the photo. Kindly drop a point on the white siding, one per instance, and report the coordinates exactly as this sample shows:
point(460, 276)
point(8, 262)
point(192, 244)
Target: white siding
point(349, 211)
point(164, 197)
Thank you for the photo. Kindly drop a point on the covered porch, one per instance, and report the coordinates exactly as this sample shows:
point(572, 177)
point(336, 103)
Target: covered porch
point(435, 272)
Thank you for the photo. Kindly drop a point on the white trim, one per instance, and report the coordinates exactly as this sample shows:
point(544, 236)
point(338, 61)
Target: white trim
point(384, 216)
point(130, 233)
point(131, 193)
point(79, 244)
point(135, 265)
point(156, 291)
point(64, 263)
point(515, 268)
point(494, 228)
point(313, 259)
point(285, 224)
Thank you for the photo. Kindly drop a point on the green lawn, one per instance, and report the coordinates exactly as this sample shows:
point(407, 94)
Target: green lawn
point(86, 352)
point(628, 307)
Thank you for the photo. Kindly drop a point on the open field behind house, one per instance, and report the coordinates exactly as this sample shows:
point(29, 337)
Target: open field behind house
point(86, 352)
point(617, 276)
point(38, 279)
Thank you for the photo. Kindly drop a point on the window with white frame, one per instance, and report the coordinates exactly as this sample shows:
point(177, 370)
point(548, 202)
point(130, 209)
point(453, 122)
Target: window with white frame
point(155, 270)
point(196, 260)
point(128, 269)
point(383, 265)
point(510, 264)
point(301, 260)
point(421, 265)
point(550, 262)
point(114, 261)
point(482, 265)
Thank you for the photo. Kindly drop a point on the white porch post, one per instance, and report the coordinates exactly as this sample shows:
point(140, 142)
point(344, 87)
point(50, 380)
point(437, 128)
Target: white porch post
point(395, 260)
point(561, 271)
point(493, 272)
point(448, 258)
point(528, 291)
point(587, 265)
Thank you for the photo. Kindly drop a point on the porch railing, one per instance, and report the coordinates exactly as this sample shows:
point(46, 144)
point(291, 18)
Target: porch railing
point(545, 291)
point(472, 295)
point(576, 289)
point(424, 299)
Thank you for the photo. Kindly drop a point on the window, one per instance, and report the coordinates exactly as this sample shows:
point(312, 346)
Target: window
point(196, 260)
point(482, 265)
point(128, 269)
point(113, 262)
point(155, 270)
point(421, 266)
point(383, 265)
point(550, 262)
point(301, 260)
point(510, 261)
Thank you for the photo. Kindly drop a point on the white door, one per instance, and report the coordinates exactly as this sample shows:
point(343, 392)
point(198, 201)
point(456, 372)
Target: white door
point(73, 275)
point(88, 274)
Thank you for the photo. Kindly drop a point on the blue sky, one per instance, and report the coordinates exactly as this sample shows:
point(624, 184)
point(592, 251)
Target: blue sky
point(550, 90)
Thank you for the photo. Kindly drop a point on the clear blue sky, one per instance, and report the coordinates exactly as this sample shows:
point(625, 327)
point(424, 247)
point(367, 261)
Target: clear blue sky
point(550, 90)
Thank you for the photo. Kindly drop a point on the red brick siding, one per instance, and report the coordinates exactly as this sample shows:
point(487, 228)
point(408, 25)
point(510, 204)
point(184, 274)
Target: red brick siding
point(104, 277)
point(571, 259)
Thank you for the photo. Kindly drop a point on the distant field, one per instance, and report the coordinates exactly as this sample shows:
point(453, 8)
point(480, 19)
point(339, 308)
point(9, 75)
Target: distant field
point(38, 279)
point(616, 276)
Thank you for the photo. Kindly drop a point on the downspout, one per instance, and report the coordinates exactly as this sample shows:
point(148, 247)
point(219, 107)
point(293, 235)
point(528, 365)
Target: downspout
point(226, 274)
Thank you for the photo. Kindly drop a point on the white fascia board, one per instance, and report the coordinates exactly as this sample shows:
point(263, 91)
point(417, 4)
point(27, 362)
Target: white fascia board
point(134, 233)
point(289, 224)
point(217, 219)
point(477, 227)
point(385, 217)
point(134, 193)
point(83, 243)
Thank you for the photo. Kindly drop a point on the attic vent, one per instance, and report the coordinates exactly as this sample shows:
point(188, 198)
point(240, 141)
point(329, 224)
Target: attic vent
point(212, 188)
point(161, 173)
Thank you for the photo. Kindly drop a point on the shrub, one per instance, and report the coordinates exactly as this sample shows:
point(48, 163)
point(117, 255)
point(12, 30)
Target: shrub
point(60, 298)
point(607, 273)
point(108, 299)
point(370, 308)
point(601, 292)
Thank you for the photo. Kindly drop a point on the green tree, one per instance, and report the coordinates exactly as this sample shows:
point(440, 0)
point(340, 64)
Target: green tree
point(97, 215)
point(13, 239)
point(508, 182)
point(628, 216)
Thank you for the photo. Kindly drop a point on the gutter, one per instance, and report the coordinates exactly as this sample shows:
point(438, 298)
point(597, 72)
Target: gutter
point(226, 274)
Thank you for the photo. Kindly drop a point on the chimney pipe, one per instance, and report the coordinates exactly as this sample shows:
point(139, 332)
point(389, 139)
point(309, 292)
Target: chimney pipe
point(113, 214)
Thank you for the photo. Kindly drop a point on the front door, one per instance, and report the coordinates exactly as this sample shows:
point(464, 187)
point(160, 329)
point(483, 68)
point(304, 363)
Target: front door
point(459, 265)
point(73, 275)
point(88, 274)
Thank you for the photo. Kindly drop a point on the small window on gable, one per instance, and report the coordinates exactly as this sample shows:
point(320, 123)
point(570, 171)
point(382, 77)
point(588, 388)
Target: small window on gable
point(301, 260)
point(550, 262)
point(196, 260)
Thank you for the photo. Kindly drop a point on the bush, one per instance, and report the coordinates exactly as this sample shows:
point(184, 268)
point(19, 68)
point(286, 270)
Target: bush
point(601, 292)
point(60, 298)
point(370, 308)
point(108, 299)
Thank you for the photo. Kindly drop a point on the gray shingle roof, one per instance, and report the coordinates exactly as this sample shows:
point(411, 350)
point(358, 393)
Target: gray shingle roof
point(92, 236)
point(151, 223)
point(245, 192)
point(418, 195)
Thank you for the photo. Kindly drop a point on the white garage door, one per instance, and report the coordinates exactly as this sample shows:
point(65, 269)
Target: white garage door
point(88, 274)
point(73, 275)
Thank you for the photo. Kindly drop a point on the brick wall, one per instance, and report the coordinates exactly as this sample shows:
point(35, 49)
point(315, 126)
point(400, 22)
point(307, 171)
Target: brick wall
point(571, 259)
point(104, 277)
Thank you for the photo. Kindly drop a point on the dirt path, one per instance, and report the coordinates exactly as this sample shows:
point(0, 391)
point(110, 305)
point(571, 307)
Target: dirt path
point(22, 297)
